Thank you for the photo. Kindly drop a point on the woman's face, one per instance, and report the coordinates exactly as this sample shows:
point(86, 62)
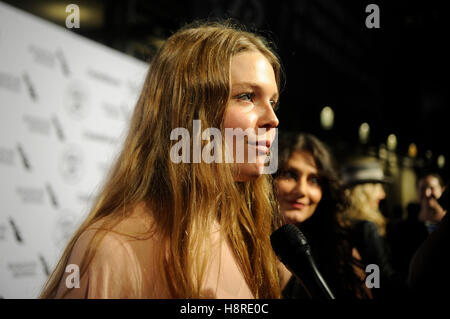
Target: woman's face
point(254, 94)
point(373, 193)
point(298, 188)
point(378, 194)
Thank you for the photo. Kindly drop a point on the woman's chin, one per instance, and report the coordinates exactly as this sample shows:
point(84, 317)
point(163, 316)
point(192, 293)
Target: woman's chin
point(249, 171)
point(294, 216)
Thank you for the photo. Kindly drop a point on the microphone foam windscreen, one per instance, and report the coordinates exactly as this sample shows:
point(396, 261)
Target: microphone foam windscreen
point(288, 242)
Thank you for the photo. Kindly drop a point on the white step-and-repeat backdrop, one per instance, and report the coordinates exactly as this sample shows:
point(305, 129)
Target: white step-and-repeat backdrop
point(65, 102)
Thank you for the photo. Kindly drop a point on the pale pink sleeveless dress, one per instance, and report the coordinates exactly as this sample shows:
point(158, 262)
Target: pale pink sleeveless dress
point(125, 268)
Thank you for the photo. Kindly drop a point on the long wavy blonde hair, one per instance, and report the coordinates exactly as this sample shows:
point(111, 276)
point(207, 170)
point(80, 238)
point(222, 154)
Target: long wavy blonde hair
point(189, 78)
point(361, 207)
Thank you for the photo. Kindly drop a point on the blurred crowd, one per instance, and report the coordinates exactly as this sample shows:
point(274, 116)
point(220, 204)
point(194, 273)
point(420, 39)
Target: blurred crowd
point(339, 208)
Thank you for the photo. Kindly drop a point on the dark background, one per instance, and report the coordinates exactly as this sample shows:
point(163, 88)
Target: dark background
point(395, 78)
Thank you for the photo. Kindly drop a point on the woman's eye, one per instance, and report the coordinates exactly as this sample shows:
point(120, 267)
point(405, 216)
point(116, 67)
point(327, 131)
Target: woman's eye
point(274, 105)
point(289, 175)
point(314, 180)
point(246, 96)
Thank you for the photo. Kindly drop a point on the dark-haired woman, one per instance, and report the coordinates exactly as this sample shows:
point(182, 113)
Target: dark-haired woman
point(310, 196)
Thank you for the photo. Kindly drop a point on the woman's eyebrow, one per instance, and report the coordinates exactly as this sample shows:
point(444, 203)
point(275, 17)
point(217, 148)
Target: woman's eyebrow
point(312, 171)
point(293, 169)
point(252, 85)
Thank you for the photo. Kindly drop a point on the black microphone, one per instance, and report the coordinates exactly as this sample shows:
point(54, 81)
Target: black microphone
point(293, 249)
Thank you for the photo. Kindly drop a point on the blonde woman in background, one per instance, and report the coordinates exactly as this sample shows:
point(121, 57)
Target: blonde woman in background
point(364, 182)
point(365, 198)
point(161, 229)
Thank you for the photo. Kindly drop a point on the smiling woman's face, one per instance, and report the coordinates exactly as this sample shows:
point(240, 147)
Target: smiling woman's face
point(298, 188)
point(254, 94)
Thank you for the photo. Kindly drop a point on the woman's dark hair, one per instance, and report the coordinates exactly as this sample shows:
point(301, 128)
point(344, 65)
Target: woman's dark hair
point(328, 239)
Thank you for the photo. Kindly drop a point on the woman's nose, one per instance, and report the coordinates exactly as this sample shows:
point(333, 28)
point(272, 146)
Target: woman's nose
point(268, 118)
point(300, 188)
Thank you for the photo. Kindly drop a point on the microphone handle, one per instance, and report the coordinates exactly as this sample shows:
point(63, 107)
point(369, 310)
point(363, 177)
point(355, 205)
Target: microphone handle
point(312, 281)
point(320, 281)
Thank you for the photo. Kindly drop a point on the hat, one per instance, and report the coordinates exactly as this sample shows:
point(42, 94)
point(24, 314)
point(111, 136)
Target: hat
point(363, 172)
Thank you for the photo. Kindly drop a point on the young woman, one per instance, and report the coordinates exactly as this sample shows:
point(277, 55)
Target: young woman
point(311, 197)
point(364, 179)
point(162, 228)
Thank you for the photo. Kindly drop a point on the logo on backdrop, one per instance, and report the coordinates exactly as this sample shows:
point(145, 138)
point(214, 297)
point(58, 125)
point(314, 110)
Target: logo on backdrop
point(103, 77)
point(64, 227)
point(63, 62)
point(100, 138)
point(121, 112)
point(23, 269)
point(16, 232)
point(71, 164)
point(37, 125)
point(51, 195)
point(24, 157)
point(30, 195)
point(30, 87)
point(76, 99)
point(42, 56)
point(44, 265)
point(58, 128)
point(49, 58)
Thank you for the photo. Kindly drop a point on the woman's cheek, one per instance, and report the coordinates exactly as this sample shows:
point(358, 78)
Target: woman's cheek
point(317, 195)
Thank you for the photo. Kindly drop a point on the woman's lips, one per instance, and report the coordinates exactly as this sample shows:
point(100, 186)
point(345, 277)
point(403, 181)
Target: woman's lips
point(296, 205)
point(261, 148)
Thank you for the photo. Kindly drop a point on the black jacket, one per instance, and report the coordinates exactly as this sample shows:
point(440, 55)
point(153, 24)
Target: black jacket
point(374, 249)
point(429, 271)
